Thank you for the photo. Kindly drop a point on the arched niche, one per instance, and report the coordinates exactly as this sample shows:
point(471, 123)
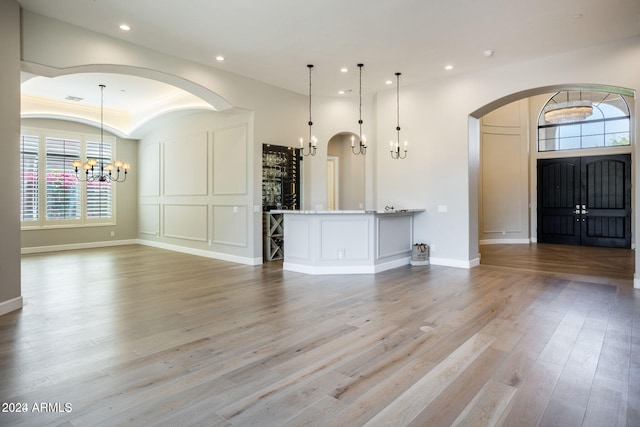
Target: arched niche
point(346, 174)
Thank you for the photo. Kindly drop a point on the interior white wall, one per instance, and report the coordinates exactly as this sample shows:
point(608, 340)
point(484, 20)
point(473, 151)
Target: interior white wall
point(10, 291)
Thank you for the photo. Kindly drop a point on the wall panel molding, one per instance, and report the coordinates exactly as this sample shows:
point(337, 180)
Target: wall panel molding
point(186, 222)
point(149, 219)
point(185, 166)
point(230, 225)
point(230, 160)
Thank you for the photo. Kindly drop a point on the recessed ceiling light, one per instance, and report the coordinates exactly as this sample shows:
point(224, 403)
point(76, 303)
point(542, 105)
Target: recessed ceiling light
point(340, 92)
point(488, 53)
point(74, 98)
point(219, 58)
point(125, 27)
point(388, 82)
point(344, 70)
point(448, 67)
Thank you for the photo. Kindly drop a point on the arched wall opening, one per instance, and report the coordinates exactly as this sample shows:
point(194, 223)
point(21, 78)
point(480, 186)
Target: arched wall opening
point(474, 147)
point(215, 100)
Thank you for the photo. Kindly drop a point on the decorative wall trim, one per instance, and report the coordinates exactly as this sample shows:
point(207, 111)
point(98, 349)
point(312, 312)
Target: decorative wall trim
point(169, 227)
point(156, 219)
point(10, 305)
point(188, 152)
point(240, 241)
point(74, 246)
point(230, 151)
point(202, 253)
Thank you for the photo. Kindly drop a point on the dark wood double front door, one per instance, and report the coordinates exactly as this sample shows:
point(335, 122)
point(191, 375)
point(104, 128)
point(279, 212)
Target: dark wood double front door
point(585, 201)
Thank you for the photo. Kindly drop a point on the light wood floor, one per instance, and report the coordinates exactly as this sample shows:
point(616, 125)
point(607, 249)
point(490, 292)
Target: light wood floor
point(139, 336)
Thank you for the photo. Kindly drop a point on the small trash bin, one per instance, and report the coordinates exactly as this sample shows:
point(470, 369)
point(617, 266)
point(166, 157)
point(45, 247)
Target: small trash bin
point(420, 254)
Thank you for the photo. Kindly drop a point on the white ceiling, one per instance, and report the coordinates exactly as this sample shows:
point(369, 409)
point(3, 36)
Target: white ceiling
point(273, 41)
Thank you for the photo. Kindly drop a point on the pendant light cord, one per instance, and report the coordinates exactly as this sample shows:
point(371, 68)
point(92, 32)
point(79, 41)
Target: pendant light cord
point(398, 105)
point(101, 127)
point(310, 122)
point(360, 118)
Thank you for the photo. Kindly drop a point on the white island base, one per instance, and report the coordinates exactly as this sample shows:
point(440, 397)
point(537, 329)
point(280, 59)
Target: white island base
point(347, 242)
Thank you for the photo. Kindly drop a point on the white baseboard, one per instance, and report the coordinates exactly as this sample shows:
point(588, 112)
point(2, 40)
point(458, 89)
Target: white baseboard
point(344, 269)
point(446, 262)
point(175, 248)
point(636, 283)
point(74, 246)
point(202, 253)
point(10, 305)
point(505, 242)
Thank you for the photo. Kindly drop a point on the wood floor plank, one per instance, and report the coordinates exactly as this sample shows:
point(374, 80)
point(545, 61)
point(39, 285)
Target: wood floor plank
point(453, 400)
point(163, 338)
point(409, 405)
point(487, 406)
point(533, 395)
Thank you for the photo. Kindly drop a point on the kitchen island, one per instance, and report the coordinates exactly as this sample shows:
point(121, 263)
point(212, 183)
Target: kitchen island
point(347, 242)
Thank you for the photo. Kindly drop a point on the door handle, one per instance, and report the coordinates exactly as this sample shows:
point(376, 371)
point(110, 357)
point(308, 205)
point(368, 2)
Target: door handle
point(577, 211)
point(584, 212)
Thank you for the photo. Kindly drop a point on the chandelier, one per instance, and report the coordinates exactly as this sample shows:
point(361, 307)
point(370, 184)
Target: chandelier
point(568, 111)
point(362, 147)
point(313, 142)
point(395, 146)
point(98, 171)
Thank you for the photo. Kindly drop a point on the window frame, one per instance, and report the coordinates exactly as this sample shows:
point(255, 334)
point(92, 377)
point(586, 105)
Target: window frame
point(581, 137)
point(84, 137)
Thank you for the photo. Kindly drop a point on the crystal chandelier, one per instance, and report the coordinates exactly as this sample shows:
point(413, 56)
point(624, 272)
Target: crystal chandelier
point(362, 147)
point(395, 147)
point(98, 171)
point(568, 111)
point(313, 142)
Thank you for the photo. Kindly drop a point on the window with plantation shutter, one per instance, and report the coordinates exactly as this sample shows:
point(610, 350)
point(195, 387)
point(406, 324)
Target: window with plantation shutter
point(99, 193)
point(29, 179)
point(51, 195)
point(62, 186)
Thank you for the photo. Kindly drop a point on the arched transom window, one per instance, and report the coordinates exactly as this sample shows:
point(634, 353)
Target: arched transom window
point(574, 120)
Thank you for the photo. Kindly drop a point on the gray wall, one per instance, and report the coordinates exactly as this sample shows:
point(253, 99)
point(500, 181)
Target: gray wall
point(10, 298)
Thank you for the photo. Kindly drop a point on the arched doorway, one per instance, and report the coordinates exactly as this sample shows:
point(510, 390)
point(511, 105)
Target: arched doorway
point(540, 96)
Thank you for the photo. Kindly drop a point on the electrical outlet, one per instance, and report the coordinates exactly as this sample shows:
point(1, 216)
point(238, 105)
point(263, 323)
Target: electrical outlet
point(113, 233)
point(432, 248)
